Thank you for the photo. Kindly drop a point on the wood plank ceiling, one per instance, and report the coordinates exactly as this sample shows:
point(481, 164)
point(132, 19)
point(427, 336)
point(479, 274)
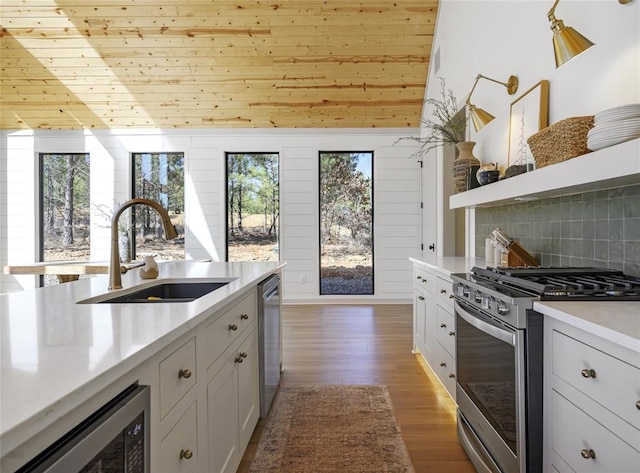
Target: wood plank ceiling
point(214, 63)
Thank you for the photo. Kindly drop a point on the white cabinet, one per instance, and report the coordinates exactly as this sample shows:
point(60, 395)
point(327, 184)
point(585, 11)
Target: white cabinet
point(592, 402)
point(177, 375)
point(179, 449)
point(234, 405)
point(434, 323)
point(206, 404)
point(424, 311)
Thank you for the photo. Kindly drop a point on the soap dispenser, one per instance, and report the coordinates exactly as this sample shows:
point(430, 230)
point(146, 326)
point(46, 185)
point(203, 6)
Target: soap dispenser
point(150, 268)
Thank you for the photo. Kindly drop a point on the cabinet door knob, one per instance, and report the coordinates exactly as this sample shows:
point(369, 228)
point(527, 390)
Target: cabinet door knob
point(451, 375)
point(186, 454)
point(420, 298)
point(638, 405)
point(186, 374)
point(244, 317)
point(443, 364)
point(586, 373)
point(451, 334)
point(443, 325)
point(588, 453)
point(233, 327)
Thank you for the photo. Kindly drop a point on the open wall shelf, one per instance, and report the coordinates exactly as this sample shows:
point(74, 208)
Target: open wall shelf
point(615, 166)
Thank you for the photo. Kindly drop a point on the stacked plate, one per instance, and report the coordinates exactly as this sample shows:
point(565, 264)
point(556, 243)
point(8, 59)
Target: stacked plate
point(614, 126)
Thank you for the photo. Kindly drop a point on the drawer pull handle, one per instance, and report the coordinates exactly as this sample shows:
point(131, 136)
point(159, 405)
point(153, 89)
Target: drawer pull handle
point(443, 364)
point(443, 325)
point(443, 291)
point(233, 327)
point(588, 373)
point(186, 454)
point(420, 298)
point(424, 280)
point(450, 296)
point(186, 374)
point(452, 334)
point(244, 317)
point(241, 357)
point(451, 375)
point(588, 453)
point(638, 405)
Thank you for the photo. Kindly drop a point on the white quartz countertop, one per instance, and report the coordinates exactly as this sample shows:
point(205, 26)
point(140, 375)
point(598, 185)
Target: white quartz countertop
point(615, 321)
point(55, 353)
point(451, 264)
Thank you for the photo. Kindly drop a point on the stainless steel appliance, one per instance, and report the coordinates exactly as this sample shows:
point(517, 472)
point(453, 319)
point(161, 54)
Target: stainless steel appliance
point(269, 340)
point(499, 355)
point(115, 439)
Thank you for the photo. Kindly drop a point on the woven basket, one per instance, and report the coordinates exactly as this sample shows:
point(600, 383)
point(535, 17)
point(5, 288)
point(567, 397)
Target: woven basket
point(563, 140)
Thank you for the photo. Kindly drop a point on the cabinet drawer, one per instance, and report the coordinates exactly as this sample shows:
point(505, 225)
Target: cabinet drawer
point(424, 280)
point(612, 382)
point(445, 369)
point(444, 289)
point(179, 449)
point(446, 334)
point(177, 375)
point(575, 434)
point(225, 329)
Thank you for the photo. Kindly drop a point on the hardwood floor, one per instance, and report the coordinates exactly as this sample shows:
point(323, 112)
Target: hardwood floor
point(372, 345)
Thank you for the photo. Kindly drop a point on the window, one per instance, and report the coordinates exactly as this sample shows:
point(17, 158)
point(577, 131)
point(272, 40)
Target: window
point(346, 223)
point(64, 209)
point(253, 207)
point(158, 177)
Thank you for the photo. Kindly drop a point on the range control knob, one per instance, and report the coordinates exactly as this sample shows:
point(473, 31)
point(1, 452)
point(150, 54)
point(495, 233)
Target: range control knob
point(486, 302)
point(503, 308)
point(478, 297)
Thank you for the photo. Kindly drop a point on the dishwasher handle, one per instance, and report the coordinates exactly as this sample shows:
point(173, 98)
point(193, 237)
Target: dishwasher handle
point(270, 287)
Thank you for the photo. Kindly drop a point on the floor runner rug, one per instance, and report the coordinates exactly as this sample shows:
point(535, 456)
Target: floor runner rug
point(331, 429)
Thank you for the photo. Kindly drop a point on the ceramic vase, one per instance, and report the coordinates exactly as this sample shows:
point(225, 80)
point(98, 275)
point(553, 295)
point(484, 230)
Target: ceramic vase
point(463, 161)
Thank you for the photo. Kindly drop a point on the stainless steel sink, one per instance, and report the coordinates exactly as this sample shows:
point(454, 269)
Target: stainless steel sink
point(161, 292)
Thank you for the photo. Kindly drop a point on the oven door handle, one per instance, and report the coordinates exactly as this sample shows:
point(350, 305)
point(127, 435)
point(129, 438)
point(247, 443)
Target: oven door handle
point(487, 328)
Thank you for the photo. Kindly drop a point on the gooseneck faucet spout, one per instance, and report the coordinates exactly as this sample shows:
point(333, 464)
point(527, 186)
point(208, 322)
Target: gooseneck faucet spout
point(115, 277)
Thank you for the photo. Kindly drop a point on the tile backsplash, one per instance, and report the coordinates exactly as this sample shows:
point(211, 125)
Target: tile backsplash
point(600, 228)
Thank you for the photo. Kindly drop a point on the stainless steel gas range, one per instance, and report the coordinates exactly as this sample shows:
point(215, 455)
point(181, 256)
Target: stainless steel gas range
point(499, 351)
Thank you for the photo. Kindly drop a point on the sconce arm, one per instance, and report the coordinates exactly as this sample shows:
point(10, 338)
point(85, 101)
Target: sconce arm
point(511, 85)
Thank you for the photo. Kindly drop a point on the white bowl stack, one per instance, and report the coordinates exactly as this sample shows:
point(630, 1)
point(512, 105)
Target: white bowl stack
point(613, 126)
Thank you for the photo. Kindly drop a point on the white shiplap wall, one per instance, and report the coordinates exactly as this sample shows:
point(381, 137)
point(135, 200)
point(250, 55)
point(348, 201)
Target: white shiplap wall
point(396, 196)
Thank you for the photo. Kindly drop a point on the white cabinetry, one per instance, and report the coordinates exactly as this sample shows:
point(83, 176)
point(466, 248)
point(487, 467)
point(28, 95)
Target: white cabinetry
point(592, 399)
point(434, 323)
point(205, 426)
point(179, 449)
point(233, 388)
point(178, 409)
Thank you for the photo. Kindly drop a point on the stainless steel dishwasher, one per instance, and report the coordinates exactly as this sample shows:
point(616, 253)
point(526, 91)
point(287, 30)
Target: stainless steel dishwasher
point(269, 335)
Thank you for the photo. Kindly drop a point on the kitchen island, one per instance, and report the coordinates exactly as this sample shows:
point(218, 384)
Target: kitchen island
point(61, 360)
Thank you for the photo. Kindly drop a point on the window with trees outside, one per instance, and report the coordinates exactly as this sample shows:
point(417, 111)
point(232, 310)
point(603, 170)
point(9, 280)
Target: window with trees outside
point(64, 209)
point(346, 223)
point(253, 207)
point(158, 177)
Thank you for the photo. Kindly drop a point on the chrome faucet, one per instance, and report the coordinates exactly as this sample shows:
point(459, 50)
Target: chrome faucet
point(115, 277)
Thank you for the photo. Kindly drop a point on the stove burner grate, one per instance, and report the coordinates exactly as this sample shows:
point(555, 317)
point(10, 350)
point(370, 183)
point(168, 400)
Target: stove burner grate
point(565, 282)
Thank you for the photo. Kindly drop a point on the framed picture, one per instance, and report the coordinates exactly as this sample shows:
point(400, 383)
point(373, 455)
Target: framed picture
point(528, 115)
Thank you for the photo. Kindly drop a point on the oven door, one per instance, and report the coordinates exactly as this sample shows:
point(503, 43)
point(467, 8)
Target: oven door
point(490, 390)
